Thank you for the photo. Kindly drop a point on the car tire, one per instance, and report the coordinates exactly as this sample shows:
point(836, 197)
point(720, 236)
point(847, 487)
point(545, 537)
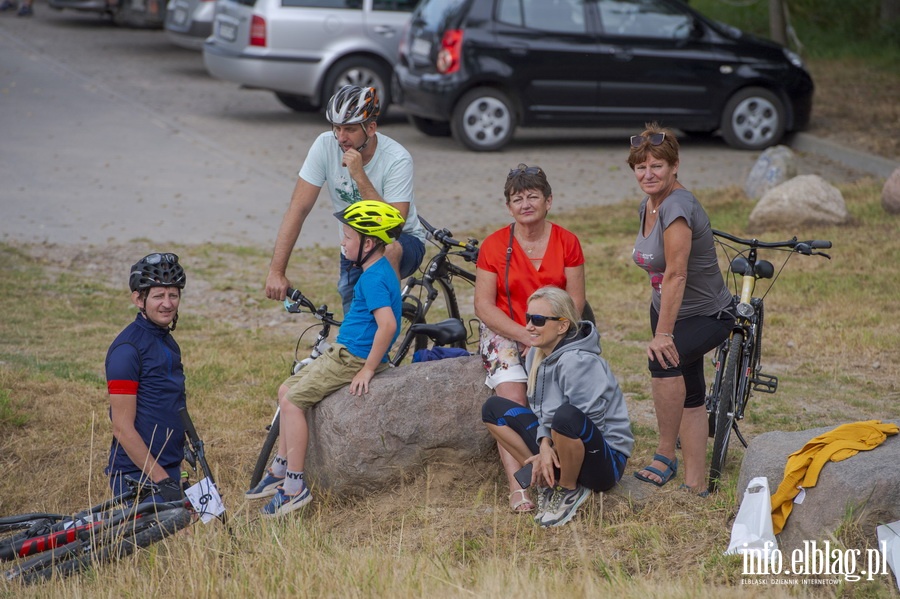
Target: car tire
point(483, 120)
point(295, 102)
point(362, 71)
point(430, 127)
point(753, 119)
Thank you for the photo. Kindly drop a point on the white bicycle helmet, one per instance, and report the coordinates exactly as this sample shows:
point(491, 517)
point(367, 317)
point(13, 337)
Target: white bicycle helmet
point(353, 105)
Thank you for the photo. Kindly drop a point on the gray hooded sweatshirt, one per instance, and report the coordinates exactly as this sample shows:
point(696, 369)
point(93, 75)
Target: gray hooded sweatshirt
point(575, 373)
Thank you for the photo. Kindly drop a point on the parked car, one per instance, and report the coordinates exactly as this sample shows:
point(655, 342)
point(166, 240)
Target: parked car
point(480, 68)
point(148, 14)
point(189, 22)
point(305, 50)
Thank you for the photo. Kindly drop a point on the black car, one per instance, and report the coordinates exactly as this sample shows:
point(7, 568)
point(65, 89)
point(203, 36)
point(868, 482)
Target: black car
point(480, 68)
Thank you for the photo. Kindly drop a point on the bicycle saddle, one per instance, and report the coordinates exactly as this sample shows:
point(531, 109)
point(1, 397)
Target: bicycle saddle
point(445, 332)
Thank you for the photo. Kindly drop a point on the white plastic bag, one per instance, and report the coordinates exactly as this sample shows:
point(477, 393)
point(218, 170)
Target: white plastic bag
point(889, 536)
point(752, 530)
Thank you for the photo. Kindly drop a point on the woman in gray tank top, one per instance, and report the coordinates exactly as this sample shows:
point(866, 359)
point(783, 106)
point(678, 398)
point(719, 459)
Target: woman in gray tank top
point(690, 308)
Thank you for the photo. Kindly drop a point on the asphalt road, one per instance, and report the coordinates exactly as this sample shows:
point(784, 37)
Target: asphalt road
point(110, 134)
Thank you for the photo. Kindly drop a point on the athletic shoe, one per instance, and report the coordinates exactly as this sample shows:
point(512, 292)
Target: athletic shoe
point(25, 11)
point(563, 505)
point(7, 5)
point(267, 487)
point(283, 503)
point(543, 500)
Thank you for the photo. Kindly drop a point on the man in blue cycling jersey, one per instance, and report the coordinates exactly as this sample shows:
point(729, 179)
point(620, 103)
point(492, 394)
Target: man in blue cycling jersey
point(145, 380)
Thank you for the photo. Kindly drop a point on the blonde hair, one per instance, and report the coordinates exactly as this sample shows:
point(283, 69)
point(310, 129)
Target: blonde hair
point(563, 306)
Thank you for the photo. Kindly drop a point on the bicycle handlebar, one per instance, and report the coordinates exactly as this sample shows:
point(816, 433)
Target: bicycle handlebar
point(801, 247)
point(469, 248)
point(295, 299)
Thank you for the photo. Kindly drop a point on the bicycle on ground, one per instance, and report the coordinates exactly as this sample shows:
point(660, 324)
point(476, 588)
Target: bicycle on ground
point(449, 332)
point(737, 361)
point(42, 545)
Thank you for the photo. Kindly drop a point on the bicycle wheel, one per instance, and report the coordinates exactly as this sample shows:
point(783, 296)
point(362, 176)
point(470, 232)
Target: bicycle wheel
point(108, 545)
point(725, 405)
point(265, 454)
point(407, 342)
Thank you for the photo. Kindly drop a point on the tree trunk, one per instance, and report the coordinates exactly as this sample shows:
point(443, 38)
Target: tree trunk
point(890, 14)
point(777, 27)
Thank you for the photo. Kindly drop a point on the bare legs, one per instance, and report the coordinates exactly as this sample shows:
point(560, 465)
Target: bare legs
point(673, 419)
point(294, 432)
point(514, 392)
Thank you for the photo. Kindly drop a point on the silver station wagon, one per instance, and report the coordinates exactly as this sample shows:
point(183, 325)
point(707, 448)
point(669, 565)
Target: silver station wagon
point(305, 50)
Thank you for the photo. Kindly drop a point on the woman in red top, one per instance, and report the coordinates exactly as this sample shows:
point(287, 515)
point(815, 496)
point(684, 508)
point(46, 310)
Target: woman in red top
point(513, 263)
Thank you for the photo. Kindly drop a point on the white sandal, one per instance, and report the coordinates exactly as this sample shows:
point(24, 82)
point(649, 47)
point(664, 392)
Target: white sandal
point(523, 505)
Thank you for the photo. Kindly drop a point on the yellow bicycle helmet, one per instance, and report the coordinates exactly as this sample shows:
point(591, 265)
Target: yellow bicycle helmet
point(373, 218)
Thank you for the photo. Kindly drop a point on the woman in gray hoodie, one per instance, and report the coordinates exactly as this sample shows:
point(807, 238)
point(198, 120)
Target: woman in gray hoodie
point(575, 436)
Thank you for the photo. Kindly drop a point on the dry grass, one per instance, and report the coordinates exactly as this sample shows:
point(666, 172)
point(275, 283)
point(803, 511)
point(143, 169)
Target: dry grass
point(833, 339)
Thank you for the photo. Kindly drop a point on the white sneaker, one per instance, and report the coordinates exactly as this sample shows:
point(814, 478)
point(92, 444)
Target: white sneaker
point(563, 505)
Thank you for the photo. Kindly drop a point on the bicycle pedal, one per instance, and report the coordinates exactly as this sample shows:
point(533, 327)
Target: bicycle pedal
point(764, 383)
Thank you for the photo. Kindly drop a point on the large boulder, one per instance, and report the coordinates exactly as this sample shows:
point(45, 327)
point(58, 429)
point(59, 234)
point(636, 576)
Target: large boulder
point(866, 485)
point(802, 201)
point(773, 167)
point(414, 414)
point(890, 193)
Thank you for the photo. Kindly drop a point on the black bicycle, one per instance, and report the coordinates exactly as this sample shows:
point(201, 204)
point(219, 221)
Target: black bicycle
point(449, 332)
point(737, 360)
point(43, 544)
point(420, 293)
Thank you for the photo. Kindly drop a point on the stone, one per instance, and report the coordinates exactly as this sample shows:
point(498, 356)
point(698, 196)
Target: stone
point(773, 167)
point(868, 484)
point(803, 201)
point(890, 193)
point(412, 415)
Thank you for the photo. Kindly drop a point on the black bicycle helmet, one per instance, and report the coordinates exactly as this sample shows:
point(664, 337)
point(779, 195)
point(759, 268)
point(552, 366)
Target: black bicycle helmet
point(353, 105)
point(156, 270)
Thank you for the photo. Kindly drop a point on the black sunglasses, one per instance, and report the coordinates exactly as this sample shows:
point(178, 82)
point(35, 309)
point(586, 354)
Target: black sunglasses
point(655, 139)
point(524, 169)
point(157, 258)
point(538, 320)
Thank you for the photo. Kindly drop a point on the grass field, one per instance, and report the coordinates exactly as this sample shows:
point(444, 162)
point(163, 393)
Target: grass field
point(832, 338)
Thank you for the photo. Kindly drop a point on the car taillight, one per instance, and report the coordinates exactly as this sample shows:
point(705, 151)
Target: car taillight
point(449, 54)
point(258, 31)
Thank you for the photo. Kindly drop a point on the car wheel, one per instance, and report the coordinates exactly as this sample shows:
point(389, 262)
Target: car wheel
point(753, 119)
point(483, 120)
point(361, 71)
point(295, 102)
point(430, 127)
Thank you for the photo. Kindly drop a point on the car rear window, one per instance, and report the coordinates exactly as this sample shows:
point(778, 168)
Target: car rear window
point(433, 15)
point(557, 16)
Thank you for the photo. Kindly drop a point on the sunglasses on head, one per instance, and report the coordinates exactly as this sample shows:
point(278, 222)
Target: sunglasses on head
point(655, 139)
point(539, 320)
point(157, 258)
point(524, 169)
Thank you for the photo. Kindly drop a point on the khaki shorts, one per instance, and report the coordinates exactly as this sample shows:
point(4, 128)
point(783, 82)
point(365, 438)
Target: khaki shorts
point(326, 374)
point(501, 359)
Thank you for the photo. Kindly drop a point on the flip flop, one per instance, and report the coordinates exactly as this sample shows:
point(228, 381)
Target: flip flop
point(524, 504)
point(703, 493)
point(665, 475)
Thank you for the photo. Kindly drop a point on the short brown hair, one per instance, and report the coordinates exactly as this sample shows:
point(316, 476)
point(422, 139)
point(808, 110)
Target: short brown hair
point(526, 177)
point(667, 150)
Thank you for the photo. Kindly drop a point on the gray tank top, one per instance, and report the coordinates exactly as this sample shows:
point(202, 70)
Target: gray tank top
point(705, 293)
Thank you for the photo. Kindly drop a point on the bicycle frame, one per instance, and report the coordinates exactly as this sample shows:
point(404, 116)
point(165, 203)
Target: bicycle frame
point(738, 358)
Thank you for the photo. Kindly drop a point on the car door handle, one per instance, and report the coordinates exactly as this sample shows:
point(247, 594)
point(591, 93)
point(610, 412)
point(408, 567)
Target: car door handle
point(384, 30)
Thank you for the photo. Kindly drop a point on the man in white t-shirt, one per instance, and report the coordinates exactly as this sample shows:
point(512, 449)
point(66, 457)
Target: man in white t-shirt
point(356, 163)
